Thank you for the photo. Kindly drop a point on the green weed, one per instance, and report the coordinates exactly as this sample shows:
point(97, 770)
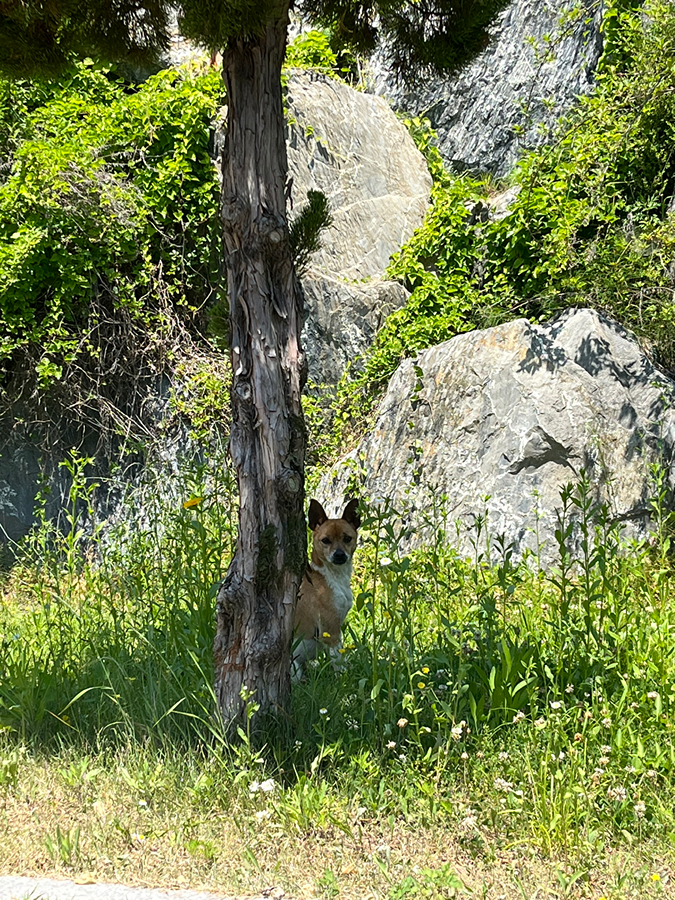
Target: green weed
point(542, 699)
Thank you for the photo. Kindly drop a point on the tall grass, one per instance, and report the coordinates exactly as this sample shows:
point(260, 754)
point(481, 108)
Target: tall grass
point(108, 635)
point(546, 697)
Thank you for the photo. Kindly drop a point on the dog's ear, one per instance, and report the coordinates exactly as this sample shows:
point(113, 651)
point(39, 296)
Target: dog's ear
point(351, 513)
point(316, 515)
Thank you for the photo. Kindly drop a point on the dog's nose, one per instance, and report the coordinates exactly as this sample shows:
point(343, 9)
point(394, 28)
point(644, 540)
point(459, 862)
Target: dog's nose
point(339, 557)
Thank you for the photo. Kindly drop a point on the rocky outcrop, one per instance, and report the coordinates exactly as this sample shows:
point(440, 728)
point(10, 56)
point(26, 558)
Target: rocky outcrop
point(498, 421)
point(543, 56)
point(114, 467)
point(351, 146)
point(343, 321)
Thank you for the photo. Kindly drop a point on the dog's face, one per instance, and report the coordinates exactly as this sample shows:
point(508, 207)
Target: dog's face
point(334, 540)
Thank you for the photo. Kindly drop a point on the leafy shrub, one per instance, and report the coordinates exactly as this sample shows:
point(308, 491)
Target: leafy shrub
point(319, 50)
point(590, 225)
point(311, 50)
point(109, 235)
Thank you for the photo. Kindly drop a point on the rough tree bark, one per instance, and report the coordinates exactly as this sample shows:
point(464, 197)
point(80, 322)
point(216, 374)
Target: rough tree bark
point(267, 443)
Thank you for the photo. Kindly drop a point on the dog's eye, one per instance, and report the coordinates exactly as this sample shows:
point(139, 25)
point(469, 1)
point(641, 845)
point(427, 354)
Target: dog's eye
point(325, 540)
point(347, 539)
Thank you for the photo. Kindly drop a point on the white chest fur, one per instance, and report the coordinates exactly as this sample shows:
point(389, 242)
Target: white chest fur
point(338, 579)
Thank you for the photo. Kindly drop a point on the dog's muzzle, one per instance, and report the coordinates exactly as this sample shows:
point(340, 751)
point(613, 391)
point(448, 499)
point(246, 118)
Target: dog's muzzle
point(339, 558)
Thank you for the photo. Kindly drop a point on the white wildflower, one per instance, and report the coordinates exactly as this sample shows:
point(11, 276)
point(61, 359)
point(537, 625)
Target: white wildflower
point(469, 822)
point(501, 784)
point(456, 730)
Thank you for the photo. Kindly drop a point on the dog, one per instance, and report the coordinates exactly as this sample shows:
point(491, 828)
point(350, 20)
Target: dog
point(325, 595)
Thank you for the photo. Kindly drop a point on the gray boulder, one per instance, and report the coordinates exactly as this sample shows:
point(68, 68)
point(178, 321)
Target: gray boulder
point(343, 321)
point(351, 146)
point(542, 58)
point(500, 420)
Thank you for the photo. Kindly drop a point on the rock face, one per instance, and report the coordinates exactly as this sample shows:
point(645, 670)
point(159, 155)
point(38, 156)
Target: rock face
point(351, 146)
point(542, 58)
point(27, 466)
point(516, 412)
point(343, 321)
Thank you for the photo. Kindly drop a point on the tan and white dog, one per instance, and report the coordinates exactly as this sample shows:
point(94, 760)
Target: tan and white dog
point(325, 595)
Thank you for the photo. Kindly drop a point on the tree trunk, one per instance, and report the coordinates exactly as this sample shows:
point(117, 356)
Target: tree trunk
point(267, 443)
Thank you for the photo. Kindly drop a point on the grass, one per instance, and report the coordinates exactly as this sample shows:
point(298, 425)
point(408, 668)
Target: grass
point(498, 731)
point(142, 818)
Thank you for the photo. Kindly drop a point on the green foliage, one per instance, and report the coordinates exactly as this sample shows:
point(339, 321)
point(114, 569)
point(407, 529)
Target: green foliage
point(18, 100)
point(590, 223)
point(486, 692)
point(35, 40)
point(108, 221)
point(201, 393)
point(305, 230)
point(438, 35)
point(43, 40)
point(311, 50)
point(321, 51)
point(429, 884)
point(213, 22)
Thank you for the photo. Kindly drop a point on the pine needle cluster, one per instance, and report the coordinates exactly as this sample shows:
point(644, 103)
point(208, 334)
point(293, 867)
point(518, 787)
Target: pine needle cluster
point(305, 231)
point(417, 35)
